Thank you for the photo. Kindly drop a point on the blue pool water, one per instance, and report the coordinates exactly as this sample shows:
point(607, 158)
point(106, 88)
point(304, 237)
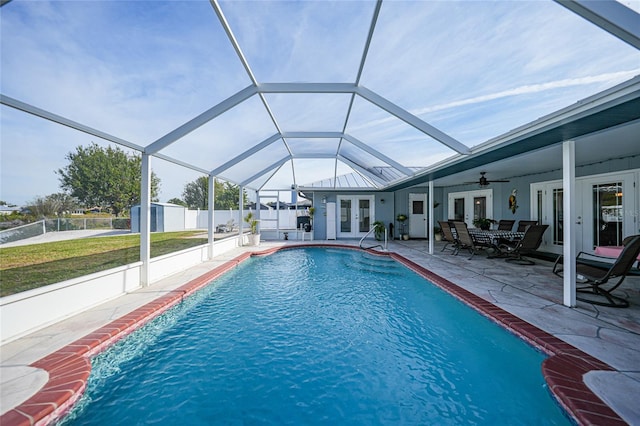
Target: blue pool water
point(319, 336)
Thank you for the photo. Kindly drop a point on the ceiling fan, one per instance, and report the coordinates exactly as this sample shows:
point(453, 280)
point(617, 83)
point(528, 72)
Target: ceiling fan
point(483, 181)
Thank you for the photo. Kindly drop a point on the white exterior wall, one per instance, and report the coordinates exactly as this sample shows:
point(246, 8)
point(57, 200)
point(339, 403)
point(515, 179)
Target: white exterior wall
point(31, 310)
point(191, 220)
point(174, 218)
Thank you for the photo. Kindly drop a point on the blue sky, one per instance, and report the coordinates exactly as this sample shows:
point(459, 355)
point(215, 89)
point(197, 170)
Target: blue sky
point(139, 69)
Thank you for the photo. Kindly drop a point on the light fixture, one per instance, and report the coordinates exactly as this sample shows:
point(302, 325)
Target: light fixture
point(324, 200)
point(381, 200)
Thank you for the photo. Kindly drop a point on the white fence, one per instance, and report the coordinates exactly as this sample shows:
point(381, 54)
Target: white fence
point(193, 219)
point(269, 219)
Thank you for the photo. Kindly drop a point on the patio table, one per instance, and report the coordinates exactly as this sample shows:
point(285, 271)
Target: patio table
point(492, 237)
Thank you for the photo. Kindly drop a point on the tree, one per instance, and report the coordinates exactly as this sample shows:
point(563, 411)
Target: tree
point(178, 202)
point(105, 177)
point(226, 196)
point(196, 194)
point(52, 205)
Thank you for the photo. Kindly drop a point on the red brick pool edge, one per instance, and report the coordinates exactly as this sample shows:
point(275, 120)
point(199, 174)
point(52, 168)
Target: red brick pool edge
point(69, 368)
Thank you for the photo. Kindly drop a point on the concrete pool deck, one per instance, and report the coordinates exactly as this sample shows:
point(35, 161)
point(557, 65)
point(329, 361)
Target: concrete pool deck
point(532, 293)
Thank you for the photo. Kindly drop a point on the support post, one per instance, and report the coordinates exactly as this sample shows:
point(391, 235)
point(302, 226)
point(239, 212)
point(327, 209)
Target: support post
point(211, 217)
point(145, 220)
point(431, 233)
point(569, 222)
point(278, 212)
point(258, 204)
point(241, 212)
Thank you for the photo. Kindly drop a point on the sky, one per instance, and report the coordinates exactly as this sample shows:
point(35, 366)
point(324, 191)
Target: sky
point(139, 69)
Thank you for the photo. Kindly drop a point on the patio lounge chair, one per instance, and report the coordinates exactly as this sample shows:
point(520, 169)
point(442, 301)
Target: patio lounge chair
point(447, 236)
point(515, 250)
point(505, 225)
point(592, 277)
point(465, 240)
point(228, 227)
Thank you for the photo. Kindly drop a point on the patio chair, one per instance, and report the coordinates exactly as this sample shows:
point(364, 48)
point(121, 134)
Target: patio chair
point(592, 277)
point(228, 227)
point(465, 240)
point(515, 250)
point(505, 225)
point(447, 236)
point(524, 224)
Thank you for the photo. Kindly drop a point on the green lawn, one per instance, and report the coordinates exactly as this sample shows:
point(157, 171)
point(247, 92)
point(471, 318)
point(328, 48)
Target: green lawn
point(27, 267)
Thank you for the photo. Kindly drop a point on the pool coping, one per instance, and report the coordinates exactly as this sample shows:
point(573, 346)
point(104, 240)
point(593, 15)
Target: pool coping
point(69, 367)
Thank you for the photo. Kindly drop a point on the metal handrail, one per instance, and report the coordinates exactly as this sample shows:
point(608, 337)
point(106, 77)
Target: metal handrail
point(377, 245)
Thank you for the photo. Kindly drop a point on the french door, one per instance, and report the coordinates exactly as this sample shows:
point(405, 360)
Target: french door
point(470, 205)
point(355, 215)
point(606, 210)
point(547, 200)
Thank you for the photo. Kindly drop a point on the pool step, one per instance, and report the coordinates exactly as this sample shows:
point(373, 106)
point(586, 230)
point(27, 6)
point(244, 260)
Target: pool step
point(376, 265)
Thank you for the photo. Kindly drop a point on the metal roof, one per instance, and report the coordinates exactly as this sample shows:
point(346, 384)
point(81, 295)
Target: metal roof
point(344, 95)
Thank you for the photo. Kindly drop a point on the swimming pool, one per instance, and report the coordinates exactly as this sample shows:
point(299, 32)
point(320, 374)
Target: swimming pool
point(313, 336)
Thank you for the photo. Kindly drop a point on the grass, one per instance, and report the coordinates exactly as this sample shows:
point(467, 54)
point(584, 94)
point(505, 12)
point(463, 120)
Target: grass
point(27, 267)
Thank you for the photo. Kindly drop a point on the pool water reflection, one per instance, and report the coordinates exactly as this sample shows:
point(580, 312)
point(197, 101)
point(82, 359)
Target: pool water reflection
point(313, 336)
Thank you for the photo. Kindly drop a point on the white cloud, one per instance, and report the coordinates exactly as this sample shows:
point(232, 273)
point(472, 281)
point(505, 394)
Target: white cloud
point(609, 78)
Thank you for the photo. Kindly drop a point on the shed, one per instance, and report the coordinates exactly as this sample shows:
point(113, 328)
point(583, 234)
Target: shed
point(165, 217)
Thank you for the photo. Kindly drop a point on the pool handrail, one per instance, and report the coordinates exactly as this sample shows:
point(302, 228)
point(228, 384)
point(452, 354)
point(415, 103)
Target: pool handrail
point(377, 245)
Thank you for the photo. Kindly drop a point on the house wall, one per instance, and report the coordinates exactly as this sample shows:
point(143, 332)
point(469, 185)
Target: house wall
point(320, 216)
point(394, 204)
point(501, 191)
point(383, 211)
point(398, 202)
